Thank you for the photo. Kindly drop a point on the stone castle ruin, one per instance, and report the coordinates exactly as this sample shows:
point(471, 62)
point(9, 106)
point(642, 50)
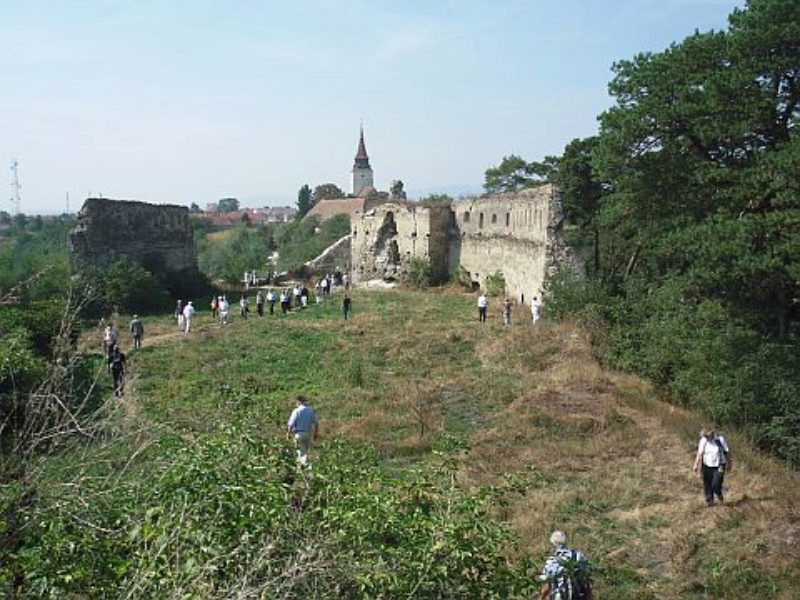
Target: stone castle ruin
point(155, 236)
point(516, 234)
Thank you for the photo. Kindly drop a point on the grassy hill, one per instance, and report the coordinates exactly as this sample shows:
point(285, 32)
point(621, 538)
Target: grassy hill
point(449, 451)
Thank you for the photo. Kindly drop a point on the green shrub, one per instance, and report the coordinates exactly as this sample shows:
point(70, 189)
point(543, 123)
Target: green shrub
point(418, 274)
point(495, 284)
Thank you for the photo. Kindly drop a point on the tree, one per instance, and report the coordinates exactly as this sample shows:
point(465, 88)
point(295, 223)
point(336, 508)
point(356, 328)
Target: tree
point(511, 175)
point(194, 208)
point(305, 201)
point(327, 191)
point(5, 217)
point(228, 205)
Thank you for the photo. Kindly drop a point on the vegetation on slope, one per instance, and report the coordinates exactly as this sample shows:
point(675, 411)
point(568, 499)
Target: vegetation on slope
point(228, 254)
point(687, 207)
point(449, 452)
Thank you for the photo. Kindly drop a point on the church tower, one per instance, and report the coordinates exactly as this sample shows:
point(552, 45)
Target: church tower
point(362, 172)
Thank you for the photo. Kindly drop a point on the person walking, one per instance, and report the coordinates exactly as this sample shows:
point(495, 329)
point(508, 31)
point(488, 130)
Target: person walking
point(507, 311)
point(714, 458)
point(110, 338)
point(536, 309)
point(346, 304)
point(483, 303)
point(116, 366)
point(214, 307)
point(137, 331)
point(259, 303)
point(271, 301)
point(566, 574)
point(188, 313)
point(179, 313)
point(224, 310)
point(244, 307)
point(302, 424)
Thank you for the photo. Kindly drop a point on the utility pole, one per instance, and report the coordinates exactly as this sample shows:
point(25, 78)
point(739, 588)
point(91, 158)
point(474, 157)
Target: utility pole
point(15, 187)
point(67, 208)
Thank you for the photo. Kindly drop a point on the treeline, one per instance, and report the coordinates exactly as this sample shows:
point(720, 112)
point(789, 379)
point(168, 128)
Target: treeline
point(686, 206)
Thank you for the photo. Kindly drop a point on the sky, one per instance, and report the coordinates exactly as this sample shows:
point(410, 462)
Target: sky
point(180, 102)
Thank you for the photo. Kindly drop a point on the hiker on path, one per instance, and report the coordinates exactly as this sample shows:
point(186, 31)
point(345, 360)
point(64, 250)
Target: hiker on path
point(224, 310)
point(483, 303)
point(302, 424)
point(304, 296)
point(260, 303)
point(324, 285)
point(714, 456)
point(566, 574)
point(109, 340)
point(188, 313)
point(285, 302)
point(318, 292)
point(137, 331)
point(244, 307)
point(536, 309)
point(116, 366)
point(271, 301)
point(507, 311)
point(346, 303)
point(214, 306)
point(179, 313)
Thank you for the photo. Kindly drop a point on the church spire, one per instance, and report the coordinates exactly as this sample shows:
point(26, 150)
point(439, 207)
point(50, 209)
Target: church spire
point(362, 160)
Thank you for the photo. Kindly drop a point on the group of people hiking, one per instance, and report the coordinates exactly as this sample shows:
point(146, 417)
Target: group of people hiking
point(483, 308)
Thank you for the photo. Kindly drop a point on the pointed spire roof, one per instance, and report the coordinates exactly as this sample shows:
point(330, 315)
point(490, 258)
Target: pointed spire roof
point(362, 160)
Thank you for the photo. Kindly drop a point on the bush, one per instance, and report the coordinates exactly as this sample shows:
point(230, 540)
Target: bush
point(495, 284)
point(418, 274)
point(229, 516)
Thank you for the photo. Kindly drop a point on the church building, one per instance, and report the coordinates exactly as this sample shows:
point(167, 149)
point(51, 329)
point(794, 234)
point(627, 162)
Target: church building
point(362, 172)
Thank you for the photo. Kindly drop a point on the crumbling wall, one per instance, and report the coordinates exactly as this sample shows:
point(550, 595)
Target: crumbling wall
point(517, 234)
point(156, 236)
point(385, 239)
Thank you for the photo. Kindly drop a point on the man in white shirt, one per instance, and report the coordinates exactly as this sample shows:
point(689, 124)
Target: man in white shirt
point(188, 313)
point(536, 309)
point(302, 424)
point(713, 455)
point(483, 303)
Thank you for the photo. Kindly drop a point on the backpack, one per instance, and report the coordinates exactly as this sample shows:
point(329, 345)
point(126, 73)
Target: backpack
point(116, 362)
point(723, 449)
point(575, 578)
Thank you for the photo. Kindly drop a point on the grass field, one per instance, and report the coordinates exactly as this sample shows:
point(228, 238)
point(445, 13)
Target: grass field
point(415, 376)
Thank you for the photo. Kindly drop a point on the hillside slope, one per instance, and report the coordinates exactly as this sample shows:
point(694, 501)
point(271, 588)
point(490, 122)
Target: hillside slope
point(416, 377)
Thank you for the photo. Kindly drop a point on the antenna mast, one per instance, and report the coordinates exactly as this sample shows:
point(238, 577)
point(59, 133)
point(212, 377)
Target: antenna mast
point(15, 186)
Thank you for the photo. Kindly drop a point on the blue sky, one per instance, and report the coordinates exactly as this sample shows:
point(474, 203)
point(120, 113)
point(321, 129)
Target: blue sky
point(180, 102)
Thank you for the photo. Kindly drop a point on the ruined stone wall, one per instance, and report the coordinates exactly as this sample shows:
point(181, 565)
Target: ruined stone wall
point(385, 239)
point(516, 234)
point(152, 235)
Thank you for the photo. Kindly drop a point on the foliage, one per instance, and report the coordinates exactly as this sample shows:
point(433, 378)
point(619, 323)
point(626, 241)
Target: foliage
point(227, 205)
point(229, 513)
point(418, 273)
point(433, 200)
point(463, 278)
point(131, 288)
point(305, 201)
point(396, 190)
point(495, 284)
point(327, 191)
point(688, 206)
point(514, 174)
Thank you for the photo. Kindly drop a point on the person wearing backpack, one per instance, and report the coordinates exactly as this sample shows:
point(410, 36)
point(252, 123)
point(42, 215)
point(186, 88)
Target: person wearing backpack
point(566, 574)
point(714, 456)
point(116, 366)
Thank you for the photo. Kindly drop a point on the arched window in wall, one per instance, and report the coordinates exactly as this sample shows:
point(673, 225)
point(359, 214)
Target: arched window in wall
point(466, 216)
point(494, 219)
point(480, 221)
point(508, 219)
